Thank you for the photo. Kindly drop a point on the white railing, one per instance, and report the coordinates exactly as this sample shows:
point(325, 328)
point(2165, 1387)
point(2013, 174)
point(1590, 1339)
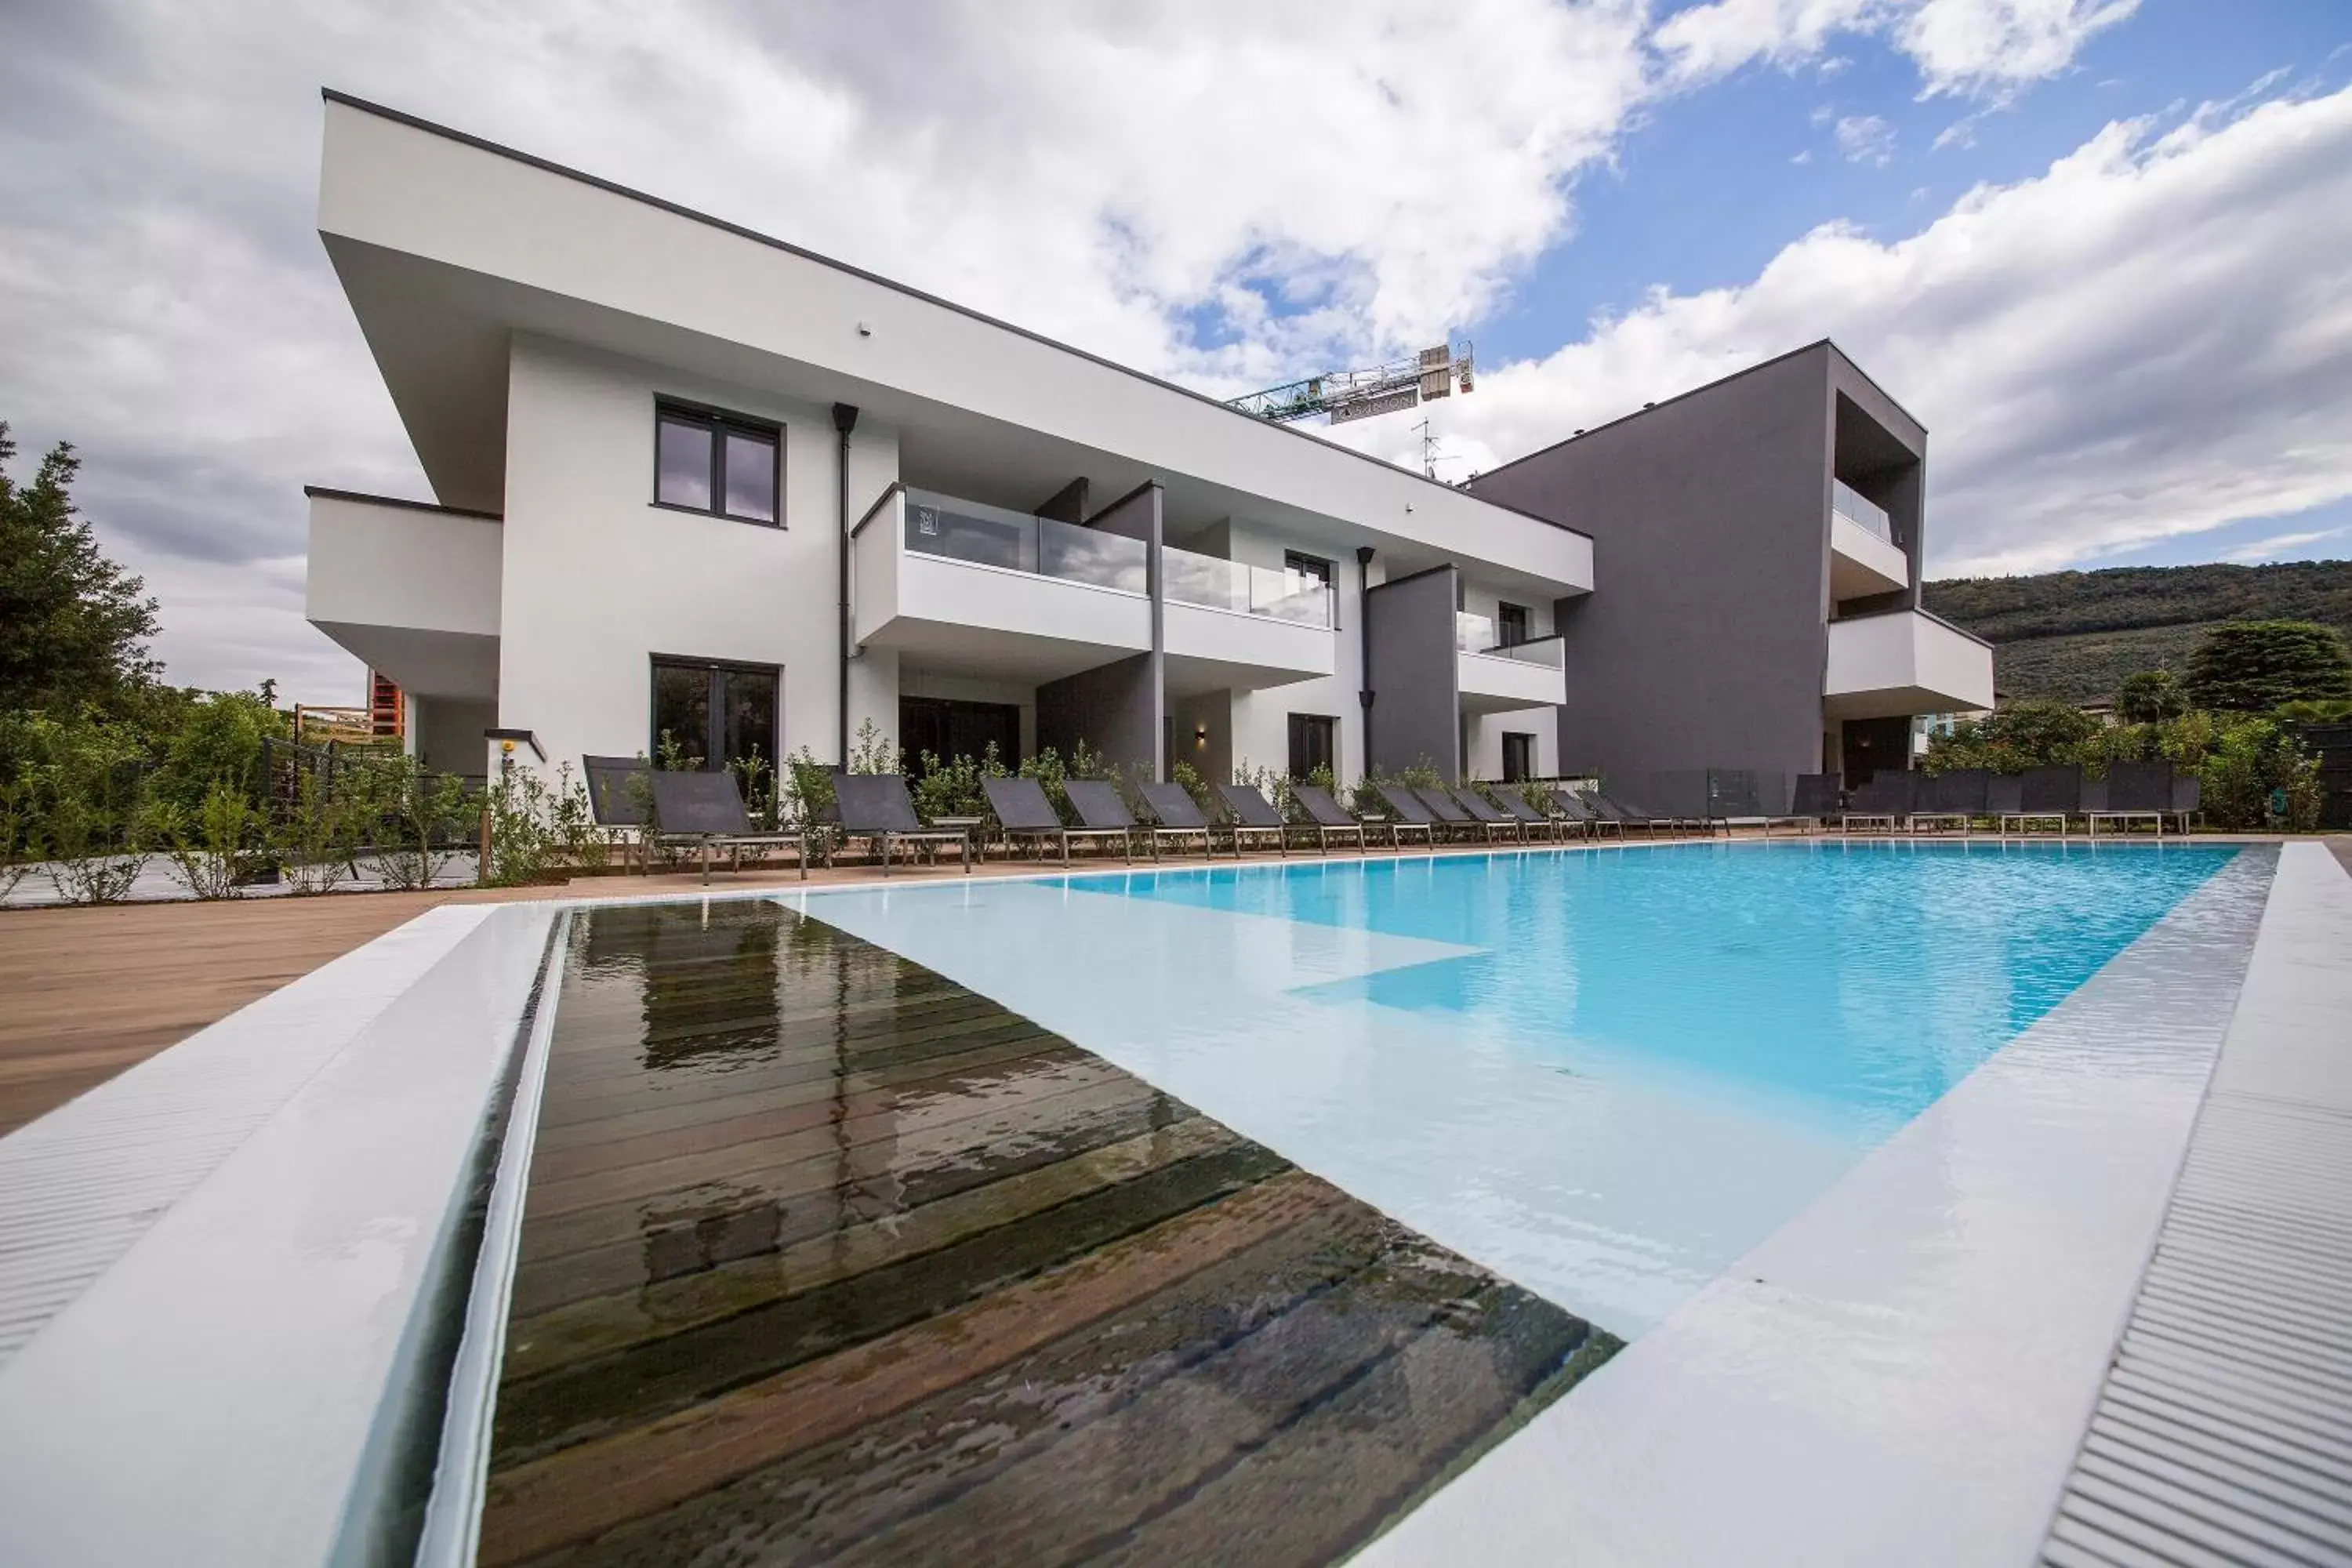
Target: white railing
point(1212, 580)
point(1868, 516)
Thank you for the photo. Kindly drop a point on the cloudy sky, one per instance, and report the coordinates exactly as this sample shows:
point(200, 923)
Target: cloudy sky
point(2101, 247)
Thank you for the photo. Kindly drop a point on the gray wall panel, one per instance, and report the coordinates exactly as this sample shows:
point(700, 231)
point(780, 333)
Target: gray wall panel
point(1705, 641)
point(1416, 714)
point(1114, 707)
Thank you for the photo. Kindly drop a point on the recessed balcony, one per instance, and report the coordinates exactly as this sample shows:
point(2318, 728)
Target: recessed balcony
point(1904, 662)
point(1495, 679)
point(1232, 625)
point(1864, 557)
point(995, 592)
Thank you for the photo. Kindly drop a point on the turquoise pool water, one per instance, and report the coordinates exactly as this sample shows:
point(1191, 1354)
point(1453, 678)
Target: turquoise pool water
point(1606, 1074)
point(1868, 979)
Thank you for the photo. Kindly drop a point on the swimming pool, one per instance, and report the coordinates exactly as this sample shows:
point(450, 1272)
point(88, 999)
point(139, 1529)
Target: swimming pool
point(1604, 1075)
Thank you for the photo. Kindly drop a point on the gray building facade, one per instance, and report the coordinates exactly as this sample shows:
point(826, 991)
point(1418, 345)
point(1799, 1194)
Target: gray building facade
point(1741, 525)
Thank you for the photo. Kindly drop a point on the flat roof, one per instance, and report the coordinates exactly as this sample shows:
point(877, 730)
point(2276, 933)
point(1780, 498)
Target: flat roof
point(488, 265)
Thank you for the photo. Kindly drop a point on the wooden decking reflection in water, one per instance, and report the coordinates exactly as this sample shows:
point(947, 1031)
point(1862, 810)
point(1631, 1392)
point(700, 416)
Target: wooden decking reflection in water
point(825, 1258)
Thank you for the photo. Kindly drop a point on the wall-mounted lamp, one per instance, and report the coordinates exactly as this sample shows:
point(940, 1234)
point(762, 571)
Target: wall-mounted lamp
point(864, 330)
point(1200, 734)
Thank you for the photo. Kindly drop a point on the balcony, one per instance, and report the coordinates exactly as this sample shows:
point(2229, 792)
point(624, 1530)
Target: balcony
point(1864, 557)
point(1232, 625)
point(993, 591)
point(1905, 662)
point(1493, 678)
point(410, 589)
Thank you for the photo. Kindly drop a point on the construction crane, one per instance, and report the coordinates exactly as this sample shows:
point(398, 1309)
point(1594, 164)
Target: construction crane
point(1345, 394)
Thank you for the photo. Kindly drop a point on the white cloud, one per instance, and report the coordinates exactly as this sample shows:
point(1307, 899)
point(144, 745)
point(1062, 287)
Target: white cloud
point(1221, 191)
point(2280, 544)
point(1987, 47)
point(2151, 339)
point(1864, 139)
point(1971, 48)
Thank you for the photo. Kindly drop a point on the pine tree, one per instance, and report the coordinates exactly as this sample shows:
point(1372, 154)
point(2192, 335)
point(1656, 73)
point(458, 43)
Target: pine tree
point(2251, 666)
point(74, 626)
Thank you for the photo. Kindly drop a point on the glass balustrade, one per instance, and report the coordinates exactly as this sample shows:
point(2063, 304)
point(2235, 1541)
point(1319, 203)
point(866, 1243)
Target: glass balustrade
point(1017, 541)
point(1222, 584)
point(1868, 516)
point(1474, 633)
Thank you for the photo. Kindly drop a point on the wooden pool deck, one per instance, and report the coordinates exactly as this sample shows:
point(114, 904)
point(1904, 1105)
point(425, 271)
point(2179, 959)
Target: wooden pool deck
point(825, 1257)
point(86, 993)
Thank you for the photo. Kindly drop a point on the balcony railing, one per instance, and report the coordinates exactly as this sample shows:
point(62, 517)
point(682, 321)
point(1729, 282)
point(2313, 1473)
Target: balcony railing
point(1221, 584)
point(1016, 542)
point(1868, 516)
point(1475, 633)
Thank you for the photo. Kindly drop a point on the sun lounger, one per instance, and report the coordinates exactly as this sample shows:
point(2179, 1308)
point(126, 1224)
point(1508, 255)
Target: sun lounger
point(877, 806)
point(2137, 792)
point(1885, 798)
point(1516, 803)
point(2187, 797)
point(705, 811)
point(1626, 814)
point(1496, 820)
point(1022, 812)
point(1818, 801)
point(1575, 807)
point(620, 794)
point(1457, 822)
point(1250, 813)
point(1409, 812)
point(1179, 816)
point(1954, 798)
point(1326, 816)
point(1100, 810)
point(2046, 794)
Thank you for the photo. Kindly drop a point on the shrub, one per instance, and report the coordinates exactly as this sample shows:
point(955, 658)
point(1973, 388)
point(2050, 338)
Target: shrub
point(522, 814)
point(1196, 786)
point(83, 792)
point(220, 847)
point(952, 788)
point(318, 832)
point(2252, 759)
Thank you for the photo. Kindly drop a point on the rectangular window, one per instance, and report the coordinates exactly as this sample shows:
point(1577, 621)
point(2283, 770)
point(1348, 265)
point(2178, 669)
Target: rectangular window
point(1519, 756)
point(1511, 623)
point(723, 464)
point(1313, 566)
point(1310, 742)
point(712, 714)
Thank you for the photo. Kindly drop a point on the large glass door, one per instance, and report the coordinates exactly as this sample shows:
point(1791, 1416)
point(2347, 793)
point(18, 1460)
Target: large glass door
point(707, 714)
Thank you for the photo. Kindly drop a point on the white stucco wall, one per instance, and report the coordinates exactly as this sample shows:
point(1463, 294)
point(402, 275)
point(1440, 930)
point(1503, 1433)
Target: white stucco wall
point(1483, 743)
point(1258, 727)
point(597, 579)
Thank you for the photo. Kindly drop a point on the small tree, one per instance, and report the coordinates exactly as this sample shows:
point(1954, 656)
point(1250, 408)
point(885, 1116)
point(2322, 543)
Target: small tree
point(2150, 697)
point(2253, 667)
point(74, 626)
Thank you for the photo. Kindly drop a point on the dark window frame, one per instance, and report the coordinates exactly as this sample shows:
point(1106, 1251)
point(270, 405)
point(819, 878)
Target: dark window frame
point(1328, 725)
point(1523, 742)
point(1313, 566)
point(714, 708)
point(720, 423)
point(1526, 624)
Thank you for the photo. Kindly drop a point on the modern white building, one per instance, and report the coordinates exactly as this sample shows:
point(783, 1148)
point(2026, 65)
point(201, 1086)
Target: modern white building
point(693, 480)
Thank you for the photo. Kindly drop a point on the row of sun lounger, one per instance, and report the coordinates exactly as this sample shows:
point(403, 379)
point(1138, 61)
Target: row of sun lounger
point(704, 813)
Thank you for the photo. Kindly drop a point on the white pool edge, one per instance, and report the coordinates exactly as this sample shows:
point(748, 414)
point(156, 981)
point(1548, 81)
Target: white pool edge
point(1903, 1372)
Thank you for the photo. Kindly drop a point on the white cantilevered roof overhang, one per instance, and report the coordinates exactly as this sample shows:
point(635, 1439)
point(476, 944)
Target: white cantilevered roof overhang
point(447, 247)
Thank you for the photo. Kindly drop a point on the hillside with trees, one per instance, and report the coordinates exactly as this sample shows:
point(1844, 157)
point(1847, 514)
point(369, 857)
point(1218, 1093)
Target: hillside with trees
point(2075, 636)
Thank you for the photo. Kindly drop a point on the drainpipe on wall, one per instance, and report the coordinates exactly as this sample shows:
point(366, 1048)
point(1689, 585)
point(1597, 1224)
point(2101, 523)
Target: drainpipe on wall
point(844, 419)
point(1364, 633)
